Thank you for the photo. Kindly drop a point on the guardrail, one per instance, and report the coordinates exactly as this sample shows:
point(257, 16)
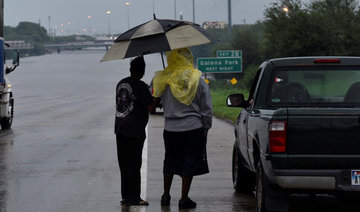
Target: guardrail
point(78, 45)
point(20, 45)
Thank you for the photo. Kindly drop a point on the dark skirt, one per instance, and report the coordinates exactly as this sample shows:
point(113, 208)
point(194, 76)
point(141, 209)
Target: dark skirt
point(185, 153)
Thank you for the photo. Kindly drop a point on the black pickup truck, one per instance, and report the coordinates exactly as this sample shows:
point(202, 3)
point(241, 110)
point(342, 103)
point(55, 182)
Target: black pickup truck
point(299, 131)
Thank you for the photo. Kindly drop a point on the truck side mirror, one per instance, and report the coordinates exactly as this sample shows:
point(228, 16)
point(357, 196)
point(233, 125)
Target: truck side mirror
point(236, 100)
point(16, 58)
point(15, 62)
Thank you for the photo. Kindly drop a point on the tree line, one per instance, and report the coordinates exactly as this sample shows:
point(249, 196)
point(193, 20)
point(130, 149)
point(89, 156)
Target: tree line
point(38, 36)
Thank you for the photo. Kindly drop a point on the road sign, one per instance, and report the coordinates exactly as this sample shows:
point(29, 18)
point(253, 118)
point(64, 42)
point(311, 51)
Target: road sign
point(233, 81)
point(229, 53)
point(220, 65)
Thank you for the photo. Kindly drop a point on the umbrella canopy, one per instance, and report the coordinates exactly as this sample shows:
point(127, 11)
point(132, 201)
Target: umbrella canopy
point(157, 35)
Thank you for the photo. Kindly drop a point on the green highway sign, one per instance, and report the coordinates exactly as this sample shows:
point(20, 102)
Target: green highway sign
point(220, 65)
point(229, 53)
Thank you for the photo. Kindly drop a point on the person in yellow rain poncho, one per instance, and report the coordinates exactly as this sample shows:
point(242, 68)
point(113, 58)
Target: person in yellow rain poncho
point(188, 117)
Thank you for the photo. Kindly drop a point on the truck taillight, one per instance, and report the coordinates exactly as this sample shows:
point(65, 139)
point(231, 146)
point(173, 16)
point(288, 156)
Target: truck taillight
point(277, 136)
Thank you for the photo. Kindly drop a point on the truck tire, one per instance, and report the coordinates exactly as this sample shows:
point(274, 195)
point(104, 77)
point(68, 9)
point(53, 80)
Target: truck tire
point(260, 190)
point(243, 178)
point(267, 198)
point(7, 122)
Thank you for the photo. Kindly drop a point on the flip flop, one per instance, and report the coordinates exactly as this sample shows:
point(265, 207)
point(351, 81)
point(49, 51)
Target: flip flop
point(140, 202)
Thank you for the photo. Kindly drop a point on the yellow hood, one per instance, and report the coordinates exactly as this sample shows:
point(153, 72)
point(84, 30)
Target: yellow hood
point(179, 75)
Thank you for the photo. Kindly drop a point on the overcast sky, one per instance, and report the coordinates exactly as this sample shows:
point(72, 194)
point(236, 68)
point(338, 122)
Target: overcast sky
point(73, 14)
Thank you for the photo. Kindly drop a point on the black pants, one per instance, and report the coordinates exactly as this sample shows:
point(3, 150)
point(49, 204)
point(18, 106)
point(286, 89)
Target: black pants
point(129, 152)
point(185, 153)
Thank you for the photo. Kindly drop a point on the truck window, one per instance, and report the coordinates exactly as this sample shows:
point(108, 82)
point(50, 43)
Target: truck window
point(315, 86)
point(253, 87)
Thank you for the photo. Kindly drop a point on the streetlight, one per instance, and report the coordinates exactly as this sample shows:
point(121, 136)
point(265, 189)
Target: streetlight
point(108, 12)
point(153, 6)
point(175, 9)
point(285, 9)
point(69, 28)
point(229, 18)
point(61, 29)
point(55, 28)
point(128, 18)
point(89, 30)
point(181, 15)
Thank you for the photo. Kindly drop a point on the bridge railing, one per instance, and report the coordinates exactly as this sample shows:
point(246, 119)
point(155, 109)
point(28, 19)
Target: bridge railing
point(19, 44)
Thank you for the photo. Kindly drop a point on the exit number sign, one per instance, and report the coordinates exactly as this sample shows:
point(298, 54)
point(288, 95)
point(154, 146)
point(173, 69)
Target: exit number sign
point(229, 53)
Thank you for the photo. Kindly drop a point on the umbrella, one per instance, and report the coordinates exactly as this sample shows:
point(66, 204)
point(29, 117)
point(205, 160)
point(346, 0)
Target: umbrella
point(157, 35)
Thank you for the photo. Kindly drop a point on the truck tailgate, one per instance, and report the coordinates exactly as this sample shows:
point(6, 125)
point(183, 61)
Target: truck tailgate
point(323, 137)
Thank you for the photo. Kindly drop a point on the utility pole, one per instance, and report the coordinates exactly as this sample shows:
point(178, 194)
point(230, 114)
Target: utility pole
point(229, 18)
point(194, 11)
point(49, 33)
point(153, 6)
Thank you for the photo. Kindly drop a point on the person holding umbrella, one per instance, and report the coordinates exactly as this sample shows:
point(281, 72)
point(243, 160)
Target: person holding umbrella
point(133, 103)
point(188, 117)
point(192, 111)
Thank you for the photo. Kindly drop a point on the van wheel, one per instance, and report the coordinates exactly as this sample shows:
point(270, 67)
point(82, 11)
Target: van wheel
point(7, 122)
point(243, 178)
point(260, 191)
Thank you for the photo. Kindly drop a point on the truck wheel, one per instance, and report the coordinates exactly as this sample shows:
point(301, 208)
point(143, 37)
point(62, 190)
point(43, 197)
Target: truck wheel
point(260, 191)
point(243, 178)
point(7, 122)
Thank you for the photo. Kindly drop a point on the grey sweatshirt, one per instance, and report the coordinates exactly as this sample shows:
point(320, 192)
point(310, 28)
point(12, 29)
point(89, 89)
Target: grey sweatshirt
point(180, 117)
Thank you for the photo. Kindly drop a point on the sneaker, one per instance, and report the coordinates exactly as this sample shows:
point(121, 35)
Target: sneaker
point(186, 203)
point(165, 200)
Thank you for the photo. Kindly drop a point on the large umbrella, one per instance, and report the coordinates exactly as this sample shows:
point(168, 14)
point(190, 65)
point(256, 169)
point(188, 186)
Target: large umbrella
point(157, 35)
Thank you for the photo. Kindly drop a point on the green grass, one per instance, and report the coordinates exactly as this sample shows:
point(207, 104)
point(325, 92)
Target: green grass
point(220, 109)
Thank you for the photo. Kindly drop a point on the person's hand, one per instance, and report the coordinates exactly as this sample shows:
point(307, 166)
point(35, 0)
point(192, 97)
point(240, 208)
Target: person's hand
point(206, 132)
point(154, 104)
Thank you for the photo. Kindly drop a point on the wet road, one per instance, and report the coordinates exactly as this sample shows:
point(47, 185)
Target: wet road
point(61, 156)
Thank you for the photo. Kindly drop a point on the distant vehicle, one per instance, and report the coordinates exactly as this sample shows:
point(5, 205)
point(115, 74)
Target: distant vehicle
point(6, 95)
point(152, 92)
point(299, 131)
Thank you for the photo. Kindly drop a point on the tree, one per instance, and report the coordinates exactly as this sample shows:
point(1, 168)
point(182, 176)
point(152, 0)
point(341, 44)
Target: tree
point(249, 39)
point(338, 21)
point(324, 27)
point(29, 32)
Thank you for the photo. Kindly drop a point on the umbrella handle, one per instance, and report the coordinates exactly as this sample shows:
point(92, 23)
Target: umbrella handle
point(162, 58)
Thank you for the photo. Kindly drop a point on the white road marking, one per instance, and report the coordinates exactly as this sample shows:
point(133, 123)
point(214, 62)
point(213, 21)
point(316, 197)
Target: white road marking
point(144, 167)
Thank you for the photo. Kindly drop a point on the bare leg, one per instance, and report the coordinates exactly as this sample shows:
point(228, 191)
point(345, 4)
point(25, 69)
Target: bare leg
point(168, 178)
point(186, 183)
